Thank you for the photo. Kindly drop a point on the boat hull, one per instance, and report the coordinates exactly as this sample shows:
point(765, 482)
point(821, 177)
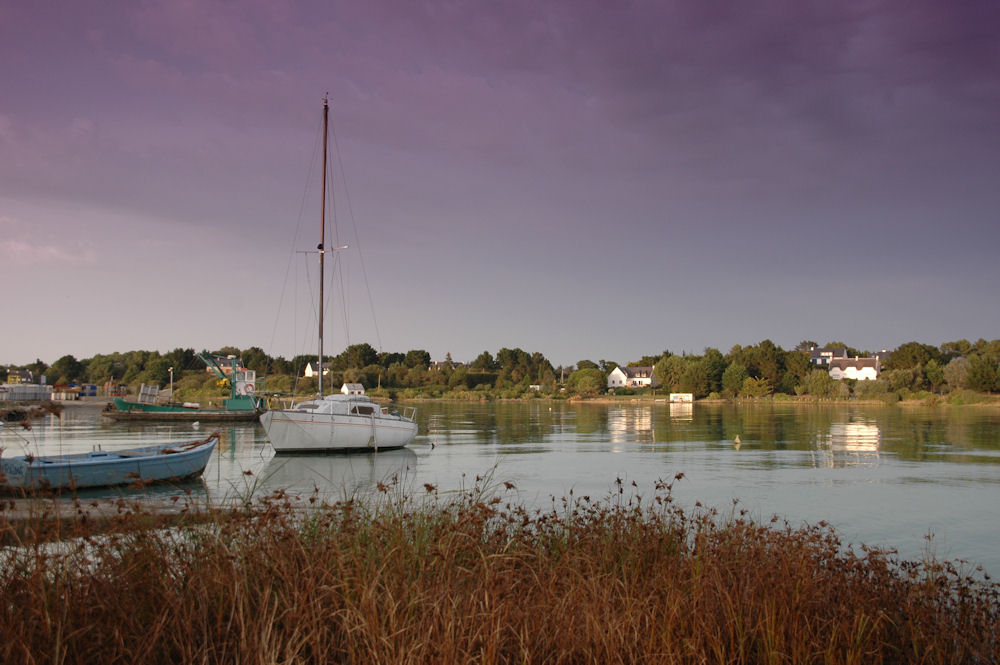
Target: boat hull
point(305, 432)
point(131, 411)
point(105, 468)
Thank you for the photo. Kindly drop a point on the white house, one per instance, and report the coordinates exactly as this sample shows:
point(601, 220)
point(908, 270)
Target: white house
point(352, 389)
point(632, 377)
point(862, 369)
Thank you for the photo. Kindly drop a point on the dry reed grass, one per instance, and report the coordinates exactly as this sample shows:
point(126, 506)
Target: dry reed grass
point(475, 579)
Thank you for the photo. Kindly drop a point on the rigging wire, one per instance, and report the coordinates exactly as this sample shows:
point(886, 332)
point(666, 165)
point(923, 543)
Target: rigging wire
point(337, 269)
point(292, 251)
point(357, 237)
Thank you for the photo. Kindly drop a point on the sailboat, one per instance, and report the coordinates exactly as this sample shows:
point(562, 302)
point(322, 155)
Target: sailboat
point(340, 422)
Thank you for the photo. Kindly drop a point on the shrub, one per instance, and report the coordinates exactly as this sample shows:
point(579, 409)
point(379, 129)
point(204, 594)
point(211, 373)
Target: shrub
point(479, 578)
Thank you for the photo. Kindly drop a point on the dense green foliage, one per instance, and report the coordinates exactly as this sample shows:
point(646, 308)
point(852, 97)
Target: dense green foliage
point(913, 369)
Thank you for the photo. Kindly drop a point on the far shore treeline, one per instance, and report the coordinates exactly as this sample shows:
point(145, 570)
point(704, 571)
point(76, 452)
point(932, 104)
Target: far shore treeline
point(959, 370)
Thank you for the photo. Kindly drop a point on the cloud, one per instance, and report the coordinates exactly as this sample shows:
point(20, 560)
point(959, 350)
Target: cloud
point(24, 253)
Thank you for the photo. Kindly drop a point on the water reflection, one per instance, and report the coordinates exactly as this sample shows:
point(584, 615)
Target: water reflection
point(925, 469)
point(335, 477)
point(850, 444)
point(681, 411)
point(854, 437)
point(626, 424)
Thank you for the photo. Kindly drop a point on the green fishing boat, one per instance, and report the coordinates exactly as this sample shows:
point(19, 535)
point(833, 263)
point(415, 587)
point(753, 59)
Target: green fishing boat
point(243, 402)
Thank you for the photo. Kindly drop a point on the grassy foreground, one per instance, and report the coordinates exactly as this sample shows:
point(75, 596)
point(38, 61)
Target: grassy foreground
point(476, 579)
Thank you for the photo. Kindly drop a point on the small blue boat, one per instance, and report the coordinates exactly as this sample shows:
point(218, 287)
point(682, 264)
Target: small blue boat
point(104, 468)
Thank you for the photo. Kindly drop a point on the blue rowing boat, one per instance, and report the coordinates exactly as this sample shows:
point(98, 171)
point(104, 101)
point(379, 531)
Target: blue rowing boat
point(104, 468)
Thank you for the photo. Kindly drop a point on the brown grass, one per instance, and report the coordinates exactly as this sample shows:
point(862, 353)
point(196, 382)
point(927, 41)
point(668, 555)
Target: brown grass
point(474, 579)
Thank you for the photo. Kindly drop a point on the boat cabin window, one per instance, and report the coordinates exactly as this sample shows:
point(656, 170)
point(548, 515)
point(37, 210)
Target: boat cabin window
point(363, 410)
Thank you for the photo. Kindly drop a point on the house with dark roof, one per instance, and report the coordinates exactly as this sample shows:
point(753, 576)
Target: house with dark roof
point(20, 376)
point(822, 357)
point(312, 369)
point(632, 377)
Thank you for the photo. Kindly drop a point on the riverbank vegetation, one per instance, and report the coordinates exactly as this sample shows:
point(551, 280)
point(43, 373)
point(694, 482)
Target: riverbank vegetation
point(476, 577)
point(959, 372)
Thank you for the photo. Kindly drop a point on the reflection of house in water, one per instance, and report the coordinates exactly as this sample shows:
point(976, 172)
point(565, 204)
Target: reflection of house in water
point(681, 411)
point(849, 444)
point(630, 424)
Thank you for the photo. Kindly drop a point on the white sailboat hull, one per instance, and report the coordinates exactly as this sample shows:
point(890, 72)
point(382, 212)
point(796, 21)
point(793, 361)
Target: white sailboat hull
point(303, 432)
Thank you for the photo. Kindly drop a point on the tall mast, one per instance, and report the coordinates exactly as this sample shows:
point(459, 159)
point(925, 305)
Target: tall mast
point(322, 239)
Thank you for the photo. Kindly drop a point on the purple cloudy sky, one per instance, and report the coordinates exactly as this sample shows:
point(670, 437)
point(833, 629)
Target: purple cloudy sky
point(584, 179)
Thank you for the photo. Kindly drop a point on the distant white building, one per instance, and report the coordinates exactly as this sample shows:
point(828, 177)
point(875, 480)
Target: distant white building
point(862, 369)
point(312, 369)
point(632, 377)
point(352, 389)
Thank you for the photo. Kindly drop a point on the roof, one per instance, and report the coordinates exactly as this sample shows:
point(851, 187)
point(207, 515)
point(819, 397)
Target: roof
point(835, 351)
point(633, 372)
point(857, 363)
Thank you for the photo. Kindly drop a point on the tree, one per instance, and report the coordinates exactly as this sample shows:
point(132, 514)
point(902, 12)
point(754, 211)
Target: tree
point(903, 379)
point(649, 361)
point(66, 370)
point(254, 358)
point(607, 366)
point(763, 360)
point(797, 365)
point(281, 366)
point(983, 374)
point(956, 373)
point(733, 378)
point(755, 387)
point(695, 379)
point(820, 384)
point(955, 349)
point(934, 373)
point(587, 381)
point(388, 359)
point(156, 371)
point(912, 354)
point(586, 364)
point(484, 362)
point(37, 368)
point(356, 356)
point(715, 367)
point(670, 372)
point(417, 358)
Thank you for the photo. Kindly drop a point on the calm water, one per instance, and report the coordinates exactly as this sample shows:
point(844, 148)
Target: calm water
point(886, 476)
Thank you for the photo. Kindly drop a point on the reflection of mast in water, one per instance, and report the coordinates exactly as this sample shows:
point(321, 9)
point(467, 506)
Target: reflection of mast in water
point(630, 424)
point(860, 441)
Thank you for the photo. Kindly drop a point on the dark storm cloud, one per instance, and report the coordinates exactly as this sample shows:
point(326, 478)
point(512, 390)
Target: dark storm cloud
point(532, 147)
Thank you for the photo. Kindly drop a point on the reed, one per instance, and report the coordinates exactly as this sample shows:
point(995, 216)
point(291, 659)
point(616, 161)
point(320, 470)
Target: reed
point(476, 577)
